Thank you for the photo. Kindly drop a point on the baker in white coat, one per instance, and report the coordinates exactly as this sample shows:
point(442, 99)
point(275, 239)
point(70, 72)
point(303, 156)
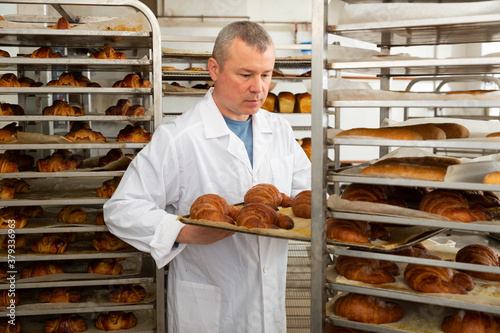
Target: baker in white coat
point(218, 280)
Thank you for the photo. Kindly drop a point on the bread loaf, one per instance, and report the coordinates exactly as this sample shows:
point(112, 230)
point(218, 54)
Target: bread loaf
point(85, 133)
point(367, 309)
point(301, 204)
point(45, 52)
point(60, 295)
point(392, 133)
point(464, 321)
point(213, 207)
point(479, 254)
point(65, 323)
point(108, 53)
point(270, 102)
point(303, 103)
point(407, 171)
point(493, 135)
point(267, 194)
point(124, 108)
point(286, 102)
point(427, 131)
point(116, 320)
point(453, 130)
point(367, 270)
point(62, 108)
point(134, 133)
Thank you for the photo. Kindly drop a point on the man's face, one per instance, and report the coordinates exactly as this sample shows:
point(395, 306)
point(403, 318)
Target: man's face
point(241, 87)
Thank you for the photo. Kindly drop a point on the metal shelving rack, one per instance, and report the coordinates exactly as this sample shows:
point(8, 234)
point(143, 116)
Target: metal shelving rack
point(145, 272)
point(482, 28)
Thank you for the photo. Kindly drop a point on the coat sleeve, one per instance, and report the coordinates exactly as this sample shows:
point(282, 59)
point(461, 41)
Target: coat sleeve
point(137, 211)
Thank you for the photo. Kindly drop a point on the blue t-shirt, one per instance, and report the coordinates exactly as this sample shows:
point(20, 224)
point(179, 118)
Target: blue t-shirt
point(243, 129)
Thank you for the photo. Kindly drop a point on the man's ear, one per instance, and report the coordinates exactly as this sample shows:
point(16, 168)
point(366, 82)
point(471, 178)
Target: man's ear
point(213, 68)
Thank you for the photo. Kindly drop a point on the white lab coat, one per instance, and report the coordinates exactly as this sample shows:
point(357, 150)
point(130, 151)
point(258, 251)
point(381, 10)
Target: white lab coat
point(236, 284)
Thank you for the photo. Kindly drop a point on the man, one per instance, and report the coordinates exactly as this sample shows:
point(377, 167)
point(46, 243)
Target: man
point(218, 280)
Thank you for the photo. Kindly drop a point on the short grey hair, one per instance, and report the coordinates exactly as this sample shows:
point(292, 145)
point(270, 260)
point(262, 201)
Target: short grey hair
point(249, 32)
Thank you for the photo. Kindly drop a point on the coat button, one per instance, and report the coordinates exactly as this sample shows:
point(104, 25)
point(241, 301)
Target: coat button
point(264, 269)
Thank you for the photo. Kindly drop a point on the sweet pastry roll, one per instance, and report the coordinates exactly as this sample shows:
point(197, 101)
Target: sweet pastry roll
point(464, 321)
point(367, 309)
point(50, 243)
point(108, 53)
point(124, 108)
point(9, 216)
point(85, 133)
point(106, 241)
point(105, 267)
point(60, 295)
point(72, 214)
point(258, 215)
point(134, 133)
point(62, 108)
point(60, 160)
point(133, 81)
point(4, 54)
point(6, 326)
point(65, 323)
point(108, 187)
point(7, 109)
point(62, 23)
point(7, 298)
point(115, 320)
point(45, 52)
point(286, 102)
point(127, 294)
point(267, 194)
point(301, 205)
point(41, 269)
point(19, 241)
point(9, 80)
point(213, 207)
point(479, 254)
point(270, 102)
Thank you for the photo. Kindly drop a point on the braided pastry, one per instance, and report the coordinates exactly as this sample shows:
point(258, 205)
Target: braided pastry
point(464, 321)
point(434, 279)
point(51, 243)
point(4, 54)
point(301, 205)
point(9, 80)
point(108, 53)
point(7, 298)
point(127, 294)
point(367, 309)
point(62, 108)
point(40, 269)
point(479, 254)
point(106, 241)
point(453, 205)
point(60, 160)
point(72, 214)
point(7, 109)
point(85, 133)
point(108, 187)
point(213, 207)
point(257, 215)
point(45, 52)
point(62, 23)
point(124, 108)
point(6, 326)
point(115, 320)
point(267, 194)
point(133, 81)
point(366, 270)
point(134, 133)
point(106, 267)
point(60, 295)
point(65, 323)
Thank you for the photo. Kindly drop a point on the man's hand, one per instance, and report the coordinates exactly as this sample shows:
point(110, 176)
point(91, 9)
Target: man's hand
point(192, 234)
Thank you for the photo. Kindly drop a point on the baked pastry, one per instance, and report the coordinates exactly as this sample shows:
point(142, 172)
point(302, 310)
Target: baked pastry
point(8, 131)
point(124, 108)
point(493, 135)
point(85, 133)
point(40, 269)
point(7, 109)
point(65, 323)
point(133, 81)
point(367, 270)
point(303, 103)
point(50, 243)
point(213, 207)
point(195, 69)
point(270, 102)
point(10, 218)
point(67, 79)
point(286, 102)
point(105, 267)
point(111, 156)
point(106, 241)
point(8, 164)
point(435, 279)
point(267, 194)
point(108, 53)
point(354, 232)
point(301, 204)
point(4, 54)
point(115, 320)
point(62, 108)
point(108, 187)
point(134, 133)
point(19, 185)
point(29, 82)
point(6, 325)
point(453, 205)
point(19, 241)
point(492, 178)
point(127, 294)
point(60, 295)
point(258, 215)
point(392, 133)
point(486, 199)
point(62, 23)
point(72, 214)
point(60, 160)
point(24, 161)
point(464, 321)
point(7, 298)
point(367, 309)
point(306, 146)
point(7, 192)
point(9, 80)
point(45, 52)
point(416, 250)
point(99, 219)
point(479, 254)
point(366, 192)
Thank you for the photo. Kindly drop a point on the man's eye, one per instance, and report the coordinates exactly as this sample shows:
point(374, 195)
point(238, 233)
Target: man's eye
point(245, 75)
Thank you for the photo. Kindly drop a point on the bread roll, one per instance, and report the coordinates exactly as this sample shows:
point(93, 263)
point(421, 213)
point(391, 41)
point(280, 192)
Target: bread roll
point(303, 103)
point(286, 102)
point(492, 178)
point(270, 102)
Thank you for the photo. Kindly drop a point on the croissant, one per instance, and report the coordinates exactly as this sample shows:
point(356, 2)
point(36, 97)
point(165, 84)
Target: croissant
point(7, 192)
point(49, 244)
point(28, 82)
point(434, 279)
point(354, 232)
point(108, 53)
point(367, 309)
point(6, 326)
point(486, 199)
point(67, 79)
point(45, 52)
point(40, 269)
point(100, 219)
point(105, 241)
point(60, 160)
point(257, 215)
point(301, 204)
point(106, 267)
point(65, 323)
point(7, 109)
point(127, 294)
point(60, 295)
point(3, 271)
point(62, 23)
point(464, 321)
point(62, 108)
point(453, 205)
point(213, 207)
point(115, 320)
point(72, 214)
point(108, 187)
point(134, 133)
point(416, 250)
point(4, 54)
point(85, 133)
point(8, 164)
point(124, 108)
point(111, 156)
point(20, 186)
point(479, 254)
point(7, 297)
point(18, 241)
point(9, 218)
point(367, 270)
point(8, 131)
point(9, 80)
point(133, 81)
point(267, 194)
